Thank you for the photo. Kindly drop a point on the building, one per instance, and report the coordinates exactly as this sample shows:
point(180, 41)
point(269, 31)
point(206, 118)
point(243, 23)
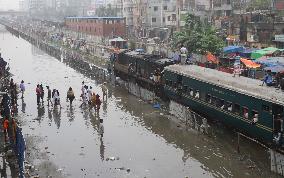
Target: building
point(36, 6)
point(24, 5)
point(98, 26)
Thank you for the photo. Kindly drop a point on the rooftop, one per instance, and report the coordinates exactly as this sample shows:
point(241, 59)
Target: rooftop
point(93, 17)
point(240, 84)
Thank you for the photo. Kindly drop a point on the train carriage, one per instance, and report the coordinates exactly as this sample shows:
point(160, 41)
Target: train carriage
point(140, 67)
point(240, 102)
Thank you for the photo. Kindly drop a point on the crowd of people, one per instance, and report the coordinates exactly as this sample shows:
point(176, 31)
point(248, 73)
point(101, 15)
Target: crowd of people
point(88, 96)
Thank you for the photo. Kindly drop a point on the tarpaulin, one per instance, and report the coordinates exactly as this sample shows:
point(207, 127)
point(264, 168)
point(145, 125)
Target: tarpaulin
point(262, 52)
point(249, 63)
point(233, 49)
point(211, 58)
point(275, 69)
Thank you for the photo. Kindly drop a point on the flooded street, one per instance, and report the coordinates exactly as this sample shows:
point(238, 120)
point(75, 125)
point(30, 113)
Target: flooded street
point(138, 141)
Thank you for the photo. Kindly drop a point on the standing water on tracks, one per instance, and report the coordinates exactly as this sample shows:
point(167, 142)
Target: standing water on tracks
point(138, 141)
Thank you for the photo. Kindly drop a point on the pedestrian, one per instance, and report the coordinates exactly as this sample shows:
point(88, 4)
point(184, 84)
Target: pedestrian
point(98, 102)
point(70, 95)
point(11, 83)
point(49, 96)
point(23, 88)
point(5, 129)
point(84, 96)
point(42, 93)
point(5, 104)
point(104, 90)
point(82, 89)
point(38, 94)
point(14, 95)
point(89, 95)
point(101, 128)
point(93, 100)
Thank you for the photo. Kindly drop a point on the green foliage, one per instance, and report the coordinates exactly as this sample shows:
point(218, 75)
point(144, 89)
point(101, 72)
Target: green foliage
point(197, 37)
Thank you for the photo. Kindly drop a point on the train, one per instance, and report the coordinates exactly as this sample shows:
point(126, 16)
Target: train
point(242, 103)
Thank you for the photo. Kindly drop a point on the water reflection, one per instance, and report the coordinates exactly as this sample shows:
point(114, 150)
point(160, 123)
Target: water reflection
point(23, 106)
point(70, 113)
point(40, 113)
point(102, 149)
point(57, 116)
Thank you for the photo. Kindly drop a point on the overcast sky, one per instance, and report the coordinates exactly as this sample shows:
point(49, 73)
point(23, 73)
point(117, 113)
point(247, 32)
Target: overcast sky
point(9, 4)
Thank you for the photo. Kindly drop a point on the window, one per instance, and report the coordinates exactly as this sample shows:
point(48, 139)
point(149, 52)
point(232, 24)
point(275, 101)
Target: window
point(184, 89)
point(229, 106)
point(174, 17)
point(197, 95)
point(170, 83)
point(254, 116)
point(208, 98)
point(190, 91)
point(153, 19)
point(265, 108)
point(237, 109)
point(164, 19)
point(221, 104)
point(245, 112)
point(165, 8)
point(155, 8)
point(169, 18)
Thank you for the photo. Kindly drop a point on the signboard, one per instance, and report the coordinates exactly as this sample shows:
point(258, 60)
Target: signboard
point(279, 38)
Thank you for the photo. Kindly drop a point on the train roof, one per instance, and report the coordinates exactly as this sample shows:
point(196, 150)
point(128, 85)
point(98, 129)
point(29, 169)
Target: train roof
point(148, 57)
point(244, 85)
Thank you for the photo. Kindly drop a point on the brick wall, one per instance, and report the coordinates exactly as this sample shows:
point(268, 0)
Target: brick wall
point(98, 27)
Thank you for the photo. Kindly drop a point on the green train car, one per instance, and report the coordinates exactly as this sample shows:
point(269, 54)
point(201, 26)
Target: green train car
point(240, 102)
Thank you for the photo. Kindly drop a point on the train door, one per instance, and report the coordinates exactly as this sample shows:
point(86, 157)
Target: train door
point(277, 112)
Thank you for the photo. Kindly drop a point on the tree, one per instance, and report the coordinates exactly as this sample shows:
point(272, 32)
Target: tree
point(197, 37)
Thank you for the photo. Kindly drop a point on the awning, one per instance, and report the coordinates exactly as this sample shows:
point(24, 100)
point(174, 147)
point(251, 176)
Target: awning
point(118, 39)
point(232, 49)
point(249, 63)
point(211, 58)
point(262, 52)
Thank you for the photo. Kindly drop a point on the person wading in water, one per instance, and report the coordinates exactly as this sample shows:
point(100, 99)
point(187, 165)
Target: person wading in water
point(70, 95)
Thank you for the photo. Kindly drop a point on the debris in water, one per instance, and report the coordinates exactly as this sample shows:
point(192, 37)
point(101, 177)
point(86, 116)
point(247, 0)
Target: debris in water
point(161, 114)
point(128, 170)
point(110, 159)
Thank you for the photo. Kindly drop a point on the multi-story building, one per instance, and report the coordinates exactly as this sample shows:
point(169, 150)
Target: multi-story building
point(98, 26)
point(36, 6)
point(24, 5)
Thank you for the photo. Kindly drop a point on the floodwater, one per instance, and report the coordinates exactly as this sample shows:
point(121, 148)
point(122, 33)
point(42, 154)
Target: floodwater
point(138, 141)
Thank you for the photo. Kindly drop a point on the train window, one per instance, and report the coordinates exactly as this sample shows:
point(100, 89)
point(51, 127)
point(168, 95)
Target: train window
point(254, 116)
point(237, 108)
point(175, 84)
point(214, 100)
point(208, 98)
point(245, 112)
point(167, 82)
point(221, 104)
point(191, 92)
point(170, 83)
point(229, 106)
point(184, 88)
point(197, 95)
point(202, 95)
point(266, 108)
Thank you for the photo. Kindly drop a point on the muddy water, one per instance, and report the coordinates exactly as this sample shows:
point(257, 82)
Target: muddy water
point(143, 141)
